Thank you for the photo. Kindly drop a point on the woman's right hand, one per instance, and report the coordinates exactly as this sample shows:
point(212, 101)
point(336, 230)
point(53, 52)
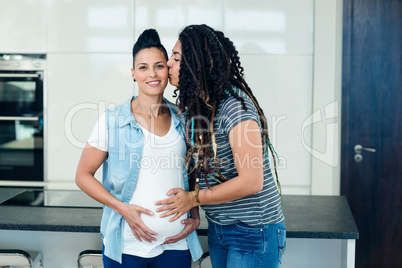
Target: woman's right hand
point(91, 159)
point(131, 214)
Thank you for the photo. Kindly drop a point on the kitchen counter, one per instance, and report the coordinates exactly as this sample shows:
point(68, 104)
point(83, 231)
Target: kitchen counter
point(62, 223)
point(305, 216)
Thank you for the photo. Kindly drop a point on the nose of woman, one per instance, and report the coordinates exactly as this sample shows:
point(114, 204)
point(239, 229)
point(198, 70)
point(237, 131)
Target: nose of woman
point(152, 73)
point(169, 63)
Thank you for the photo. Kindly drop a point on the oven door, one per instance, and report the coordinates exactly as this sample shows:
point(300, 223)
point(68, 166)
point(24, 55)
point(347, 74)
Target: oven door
point(21, 149)
point(21, 93)
point(21, 125)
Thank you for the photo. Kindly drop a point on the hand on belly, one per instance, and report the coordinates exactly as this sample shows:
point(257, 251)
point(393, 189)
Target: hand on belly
point(162, 226)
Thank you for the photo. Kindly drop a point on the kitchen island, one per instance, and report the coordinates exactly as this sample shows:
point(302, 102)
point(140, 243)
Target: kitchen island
point(319, 228)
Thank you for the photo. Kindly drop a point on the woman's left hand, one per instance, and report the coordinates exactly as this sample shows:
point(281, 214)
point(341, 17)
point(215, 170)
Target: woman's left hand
point(191, 224)
point(179, 204)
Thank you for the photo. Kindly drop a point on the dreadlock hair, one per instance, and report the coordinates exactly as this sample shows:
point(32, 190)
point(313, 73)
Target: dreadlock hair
point(210, 66)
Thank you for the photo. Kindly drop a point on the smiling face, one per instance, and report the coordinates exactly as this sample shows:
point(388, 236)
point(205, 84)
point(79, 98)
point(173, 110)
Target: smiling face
point(174, 64)
point(150, 71)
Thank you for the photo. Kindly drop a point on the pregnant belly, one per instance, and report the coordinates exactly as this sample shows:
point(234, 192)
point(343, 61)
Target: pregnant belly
point(163, 226)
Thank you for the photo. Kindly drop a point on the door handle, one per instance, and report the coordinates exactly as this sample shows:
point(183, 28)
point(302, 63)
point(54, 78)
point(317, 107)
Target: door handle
point(359, 149)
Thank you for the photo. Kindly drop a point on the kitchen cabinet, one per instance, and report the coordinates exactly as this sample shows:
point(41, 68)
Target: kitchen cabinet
point(320, 230)
point(80, 88)
point(90, 26)
point(270, 27)
point(23, 26)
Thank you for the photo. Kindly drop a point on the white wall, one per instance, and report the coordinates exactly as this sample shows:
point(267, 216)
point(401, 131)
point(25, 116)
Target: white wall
point(290, 50)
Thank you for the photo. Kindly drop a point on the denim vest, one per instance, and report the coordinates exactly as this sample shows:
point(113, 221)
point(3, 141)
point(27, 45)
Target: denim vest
point(120, 173)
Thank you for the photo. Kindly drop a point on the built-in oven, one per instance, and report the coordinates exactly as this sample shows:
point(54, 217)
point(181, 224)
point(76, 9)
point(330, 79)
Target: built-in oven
point(21, 117)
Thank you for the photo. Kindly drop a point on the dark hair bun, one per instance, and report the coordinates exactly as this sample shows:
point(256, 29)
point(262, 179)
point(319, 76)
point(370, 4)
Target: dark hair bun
point(148, 39)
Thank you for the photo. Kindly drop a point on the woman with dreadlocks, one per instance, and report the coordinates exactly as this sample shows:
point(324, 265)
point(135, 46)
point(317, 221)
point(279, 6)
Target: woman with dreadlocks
point(228, 153)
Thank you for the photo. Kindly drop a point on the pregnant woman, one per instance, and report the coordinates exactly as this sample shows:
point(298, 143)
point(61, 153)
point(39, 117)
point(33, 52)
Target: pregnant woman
point(142, 148)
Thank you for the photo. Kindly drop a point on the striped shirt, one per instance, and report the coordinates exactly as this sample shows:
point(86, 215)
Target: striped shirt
point(260, 208)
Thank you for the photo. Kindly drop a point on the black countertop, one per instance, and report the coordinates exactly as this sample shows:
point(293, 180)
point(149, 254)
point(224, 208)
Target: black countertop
point(319, 217)
point(305, 216)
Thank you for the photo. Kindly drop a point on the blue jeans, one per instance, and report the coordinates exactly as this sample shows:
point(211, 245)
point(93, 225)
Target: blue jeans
point(239, 245)
point(168, 259)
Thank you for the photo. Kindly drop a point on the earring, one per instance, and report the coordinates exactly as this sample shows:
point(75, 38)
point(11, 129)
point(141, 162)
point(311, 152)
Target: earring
point(134, 80)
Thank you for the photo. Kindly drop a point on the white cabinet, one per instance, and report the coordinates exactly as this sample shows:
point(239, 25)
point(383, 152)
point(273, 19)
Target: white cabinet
point(80, 87)
point(170, 17)
point(90, 26)
point(270, 26)
point(283, 87)
point(23, 26)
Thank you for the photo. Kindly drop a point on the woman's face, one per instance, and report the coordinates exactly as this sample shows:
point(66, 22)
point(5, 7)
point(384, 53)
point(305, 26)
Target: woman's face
point(174, 64)
point(150, 71)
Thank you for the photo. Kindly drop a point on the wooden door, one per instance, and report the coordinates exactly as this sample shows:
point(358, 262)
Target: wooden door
point(372, 117)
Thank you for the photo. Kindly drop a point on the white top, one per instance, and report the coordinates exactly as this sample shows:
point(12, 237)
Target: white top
point(161, 169)
point(99, 136)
